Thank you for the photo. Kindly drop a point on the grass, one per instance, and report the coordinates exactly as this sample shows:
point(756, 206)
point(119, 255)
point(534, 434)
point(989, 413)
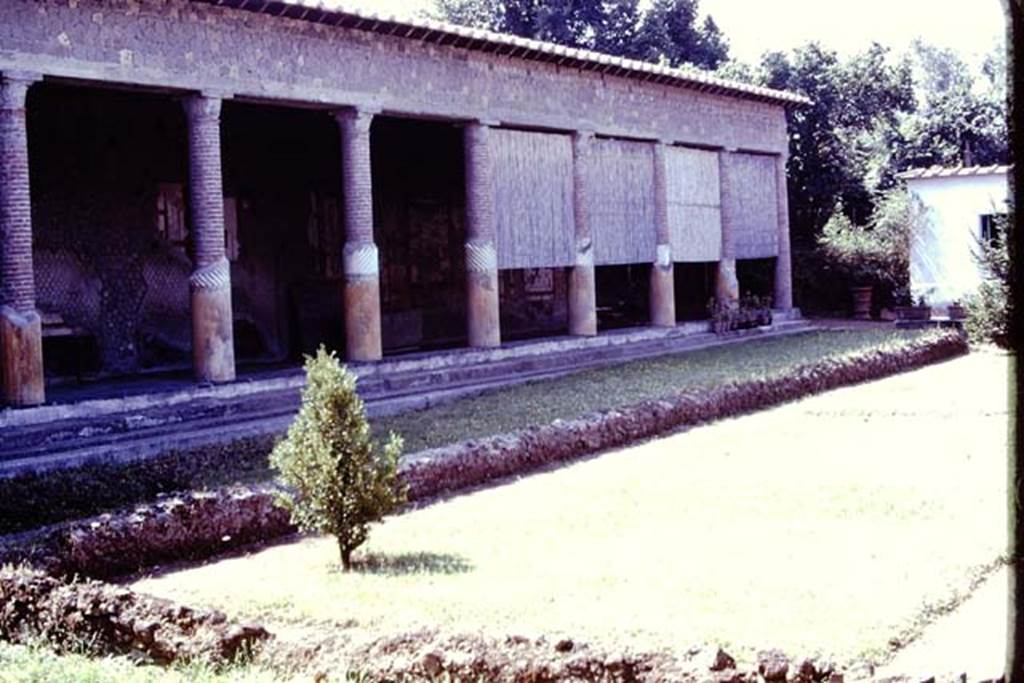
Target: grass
point(34, 500)
point(37, 664)
point(541, 402)
point(830, 525)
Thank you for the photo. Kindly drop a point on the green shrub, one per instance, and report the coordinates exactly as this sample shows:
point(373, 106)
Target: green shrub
point(988, 316)
point(877, 253)
point(342, 481)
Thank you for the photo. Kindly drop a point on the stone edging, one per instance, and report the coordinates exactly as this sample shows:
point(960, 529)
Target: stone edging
point(193, 525)
point(471, 463)
point(202, 524)
point(102, 619)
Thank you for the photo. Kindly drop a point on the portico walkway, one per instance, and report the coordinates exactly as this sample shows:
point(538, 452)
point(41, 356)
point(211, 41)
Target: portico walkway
point(139, 417)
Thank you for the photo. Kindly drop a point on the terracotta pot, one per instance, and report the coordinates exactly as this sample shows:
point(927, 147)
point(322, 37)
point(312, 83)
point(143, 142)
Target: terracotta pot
point(861, 302)
point(913, 312)
point(956, 312)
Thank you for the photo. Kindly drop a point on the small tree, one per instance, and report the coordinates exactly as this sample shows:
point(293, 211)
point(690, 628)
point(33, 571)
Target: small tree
point(988, 316)
point(342, 481)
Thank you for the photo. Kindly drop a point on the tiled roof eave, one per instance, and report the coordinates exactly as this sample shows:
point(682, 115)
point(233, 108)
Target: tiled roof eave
point(510, 46)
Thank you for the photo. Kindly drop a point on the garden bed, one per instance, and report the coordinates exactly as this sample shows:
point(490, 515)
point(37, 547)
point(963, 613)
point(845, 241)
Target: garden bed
point(809, 528)
point(32, 500)
point(437, 564)
point(198, 525)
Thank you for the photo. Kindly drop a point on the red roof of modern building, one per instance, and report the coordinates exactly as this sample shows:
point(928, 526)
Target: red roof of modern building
point(441, 33)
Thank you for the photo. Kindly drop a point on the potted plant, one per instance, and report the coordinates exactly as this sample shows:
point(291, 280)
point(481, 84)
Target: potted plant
point(721, 316)
point(917, 312)
point(875, 254)
point(764, 311)
point(956, 310)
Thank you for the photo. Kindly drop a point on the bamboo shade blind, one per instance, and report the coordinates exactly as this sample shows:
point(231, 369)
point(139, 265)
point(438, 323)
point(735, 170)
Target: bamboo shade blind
point(755, 213)
point(694, 207)
point(621, 202)
point(532, 199)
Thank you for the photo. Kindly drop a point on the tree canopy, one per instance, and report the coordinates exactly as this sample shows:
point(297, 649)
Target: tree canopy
point(668, 32)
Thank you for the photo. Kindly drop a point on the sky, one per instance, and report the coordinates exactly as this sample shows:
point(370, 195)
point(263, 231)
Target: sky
point(971, 27)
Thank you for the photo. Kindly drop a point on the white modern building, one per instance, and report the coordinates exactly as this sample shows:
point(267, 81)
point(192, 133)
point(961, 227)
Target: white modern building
point(960, 204)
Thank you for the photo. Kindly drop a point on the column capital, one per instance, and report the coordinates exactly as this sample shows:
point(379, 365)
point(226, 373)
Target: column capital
point(729, 150)
point(355, 112)
point(361, 117)
point(203, 105)
point(483, 123)
point(14, 87)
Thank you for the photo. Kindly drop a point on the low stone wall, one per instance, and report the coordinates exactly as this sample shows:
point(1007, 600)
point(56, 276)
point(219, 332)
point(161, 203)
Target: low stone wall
point(203, 524)
point(102, 619)
point(190, 526)
point(474, 462)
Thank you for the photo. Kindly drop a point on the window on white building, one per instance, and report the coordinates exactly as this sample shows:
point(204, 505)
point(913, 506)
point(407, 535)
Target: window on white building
point(990, 226)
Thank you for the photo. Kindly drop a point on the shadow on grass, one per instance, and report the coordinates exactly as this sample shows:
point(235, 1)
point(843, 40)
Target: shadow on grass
point(400, 564)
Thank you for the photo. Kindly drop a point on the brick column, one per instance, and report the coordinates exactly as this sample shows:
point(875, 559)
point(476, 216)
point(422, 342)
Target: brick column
point(663, 285)
point(361, 262)
point(21, 338)
point(783, 264)
point(213, 348)
point(582, 288)
point(482, 321)
point(727, 287)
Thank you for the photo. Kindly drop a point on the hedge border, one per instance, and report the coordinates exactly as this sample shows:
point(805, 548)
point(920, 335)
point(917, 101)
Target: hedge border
point(200, 525)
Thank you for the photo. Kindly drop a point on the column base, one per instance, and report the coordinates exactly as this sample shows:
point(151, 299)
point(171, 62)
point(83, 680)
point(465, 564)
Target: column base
point(727, 286)
point(782, 296)
point(483, 323)
point(213, 344)
point(663, 295)
point(582, 301)
point(21, 358)
point(362, 320)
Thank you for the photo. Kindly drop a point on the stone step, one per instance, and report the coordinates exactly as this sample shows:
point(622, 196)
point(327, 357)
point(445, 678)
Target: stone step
point(159, 427)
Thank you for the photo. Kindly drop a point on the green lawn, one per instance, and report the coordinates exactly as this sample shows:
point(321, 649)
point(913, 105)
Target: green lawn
point(21, 664)
point(540, 402)
point(33, 501)
point(830, 525)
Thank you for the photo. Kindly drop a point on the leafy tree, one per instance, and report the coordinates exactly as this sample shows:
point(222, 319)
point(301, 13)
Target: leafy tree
point(609, 25)
point(839, 143)
point(342, 481)
point(961, 119)
point(670, 34)
point(667, 32)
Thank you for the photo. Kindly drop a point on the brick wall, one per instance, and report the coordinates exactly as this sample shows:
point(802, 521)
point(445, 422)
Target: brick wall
point(191, 46)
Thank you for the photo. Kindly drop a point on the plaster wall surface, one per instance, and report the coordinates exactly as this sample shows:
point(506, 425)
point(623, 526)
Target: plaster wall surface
point(943, 266)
